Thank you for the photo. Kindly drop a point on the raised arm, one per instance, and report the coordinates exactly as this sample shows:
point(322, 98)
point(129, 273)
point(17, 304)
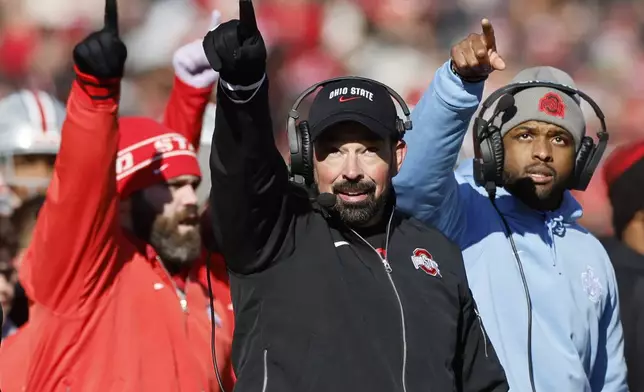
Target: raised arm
point(249, 177)
point(72, 257)
point(193, 85)
point(426, 187)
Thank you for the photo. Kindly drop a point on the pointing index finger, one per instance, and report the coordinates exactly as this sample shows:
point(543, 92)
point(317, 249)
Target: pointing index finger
point(488, 34)
point(111, 22)
point(247, 20)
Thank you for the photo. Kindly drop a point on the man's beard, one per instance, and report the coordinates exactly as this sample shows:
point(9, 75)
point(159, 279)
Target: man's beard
point(362, 212)
point(541, 197)
point(176, 250)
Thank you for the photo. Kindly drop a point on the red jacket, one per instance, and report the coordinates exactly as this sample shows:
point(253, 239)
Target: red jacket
point(105, 313)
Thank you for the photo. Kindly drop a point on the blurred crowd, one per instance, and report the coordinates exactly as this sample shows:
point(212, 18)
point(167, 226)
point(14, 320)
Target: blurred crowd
point(399, 42)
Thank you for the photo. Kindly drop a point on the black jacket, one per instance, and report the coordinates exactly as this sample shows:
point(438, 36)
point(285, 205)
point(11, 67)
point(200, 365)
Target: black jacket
point(629, 271)
point(317, 308)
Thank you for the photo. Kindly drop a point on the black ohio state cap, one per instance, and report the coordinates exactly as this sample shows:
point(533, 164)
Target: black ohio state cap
point(354, 100)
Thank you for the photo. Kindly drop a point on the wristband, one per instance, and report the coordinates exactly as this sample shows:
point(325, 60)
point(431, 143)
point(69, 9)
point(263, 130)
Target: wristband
point(464, 78)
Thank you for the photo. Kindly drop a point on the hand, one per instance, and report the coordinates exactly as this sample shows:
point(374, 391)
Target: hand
point(236, 48)
point(191, 64)
point(102, 54)
point(475, 57)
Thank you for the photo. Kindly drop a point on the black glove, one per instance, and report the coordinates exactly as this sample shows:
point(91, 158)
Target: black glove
point(102, 54)
point(236, 48)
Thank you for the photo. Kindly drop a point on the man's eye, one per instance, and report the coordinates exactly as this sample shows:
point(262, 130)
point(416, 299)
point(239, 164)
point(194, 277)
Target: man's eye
point(560, 140)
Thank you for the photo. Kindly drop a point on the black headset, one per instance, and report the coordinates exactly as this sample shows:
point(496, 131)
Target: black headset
point(299, 138)
point(488, 142)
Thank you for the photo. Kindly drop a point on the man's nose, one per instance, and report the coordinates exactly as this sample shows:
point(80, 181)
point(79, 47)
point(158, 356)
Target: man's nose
point(352, 170)
point(542, 150)
point(187, 195)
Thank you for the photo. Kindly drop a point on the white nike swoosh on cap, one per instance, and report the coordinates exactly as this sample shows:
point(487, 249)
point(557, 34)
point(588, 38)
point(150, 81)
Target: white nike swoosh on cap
point(162, 168)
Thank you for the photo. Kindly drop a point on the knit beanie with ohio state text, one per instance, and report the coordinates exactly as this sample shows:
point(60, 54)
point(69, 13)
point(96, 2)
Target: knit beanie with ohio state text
point(150, 153)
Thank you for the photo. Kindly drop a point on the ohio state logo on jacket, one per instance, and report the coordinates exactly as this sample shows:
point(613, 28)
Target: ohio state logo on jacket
point(423, 260)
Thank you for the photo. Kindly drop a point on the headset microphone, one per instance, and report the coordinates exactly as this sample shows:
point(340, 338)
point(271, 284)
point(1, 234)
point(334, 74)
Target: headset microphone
point(505, 103)
point(327, 200)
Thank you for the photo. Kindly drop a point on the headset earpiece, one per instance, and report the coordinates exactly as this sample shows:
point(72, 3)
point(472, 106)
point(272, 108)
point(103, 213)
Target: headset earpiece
point(402, 126)
point(488, 152)
point(495, 141)
point(582, 159)
point(588, 158)
point(306, 152)
point(302, 156)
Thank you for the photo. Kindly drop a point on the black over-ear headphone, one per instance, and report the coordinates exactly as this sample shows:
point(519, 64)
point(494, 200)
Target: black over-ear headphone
point(299, 139)
point(488, 142)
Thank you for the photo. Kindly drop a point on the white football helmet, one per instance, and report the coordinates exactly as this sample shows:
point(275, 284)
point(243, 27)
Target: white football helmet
point(30, 124)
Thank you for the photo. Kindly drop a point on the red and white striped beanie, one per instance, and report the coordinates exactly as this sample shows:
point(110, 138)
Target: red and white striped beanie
point(149, 153)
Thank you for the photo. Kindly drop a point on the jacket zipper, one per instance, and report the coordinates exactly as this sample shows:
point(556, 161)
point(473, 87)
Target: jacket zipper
point(550, 224)
point(183, 300)
point(478, 316)
point(388, 270)
point(265, 384)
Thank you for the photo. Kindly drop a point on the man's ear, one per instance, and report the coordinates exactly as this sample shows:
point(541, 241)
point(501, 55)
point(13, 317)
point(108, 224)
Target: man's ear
point(400, 151)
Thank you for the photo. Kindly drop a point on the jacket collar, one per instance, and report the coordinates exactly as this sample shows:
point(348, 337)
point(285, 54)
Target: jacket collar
point(569, 211)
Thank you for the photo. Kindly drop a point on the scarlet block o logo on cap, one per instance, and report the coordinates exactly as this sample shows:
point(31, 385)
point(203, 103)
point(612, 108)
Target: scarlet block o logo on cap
point(552, 104)
point(424, 261)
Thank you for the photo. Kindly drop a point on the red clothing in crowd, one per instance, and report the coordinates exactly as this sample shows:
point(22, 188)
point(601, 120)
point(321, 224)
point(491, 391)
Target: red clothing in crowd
point(106, 315)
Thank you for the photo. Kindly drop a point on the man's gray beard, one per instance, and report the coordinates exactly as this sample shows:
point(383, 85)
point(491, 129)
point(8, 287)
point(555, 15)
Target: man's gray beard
point(176, 250)
point(360, 213)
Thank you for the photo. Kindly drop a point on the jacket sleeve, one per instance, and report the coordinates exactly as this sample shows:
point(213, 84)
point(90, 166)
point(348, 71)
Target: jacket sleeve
point(250, 214)
point(609, 372)
point(72, 258)
point(426, 187)
point(185, 110)
point(477, 366)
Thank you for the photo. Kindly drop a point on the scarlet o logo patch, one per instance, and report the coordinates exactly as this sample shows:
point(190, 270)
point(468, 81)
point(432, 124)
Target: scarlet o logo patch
point(552, 104)
point(424, 261)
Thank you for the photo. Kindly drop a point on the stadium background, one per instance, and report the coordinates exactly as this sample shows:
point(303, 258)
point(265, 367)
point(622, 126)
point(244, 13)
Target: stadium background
point(399, 42)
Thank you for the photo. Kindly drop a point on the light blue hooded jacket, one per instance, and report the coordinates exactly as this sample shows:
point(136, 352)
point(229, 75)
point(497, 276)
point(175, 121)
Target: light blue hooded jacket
point(577, 342)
